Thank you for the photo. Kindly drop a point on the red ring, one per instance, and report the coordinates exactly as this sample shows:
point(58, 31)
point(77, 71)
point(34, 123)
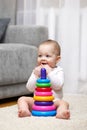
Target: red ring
point(43, 89)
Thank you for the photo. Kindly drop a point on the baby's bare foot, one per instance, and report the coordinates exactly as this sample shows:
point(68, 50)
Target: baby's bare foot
point(63, 114)
point(23, 113)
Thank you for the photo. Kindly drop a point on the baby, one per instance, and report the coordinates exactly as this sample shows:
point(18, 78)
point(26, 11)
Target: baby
point(49, 55)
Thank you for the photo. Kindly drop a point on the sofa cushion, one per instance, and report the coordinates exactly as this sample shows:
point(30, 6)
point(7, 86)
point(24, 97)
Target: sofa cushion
point(16, 63)
point(30, 35)
point(3, 26)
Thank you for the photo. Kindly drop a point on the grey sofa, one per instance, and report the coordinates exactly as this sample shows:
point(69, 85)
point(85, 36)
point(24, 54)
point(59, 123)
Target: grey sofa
point(18, 58)
point(18, 52)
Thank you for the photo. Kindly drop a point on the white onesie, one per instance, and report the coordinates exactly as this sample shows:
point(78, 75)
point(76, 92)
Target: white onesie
point(56, 77)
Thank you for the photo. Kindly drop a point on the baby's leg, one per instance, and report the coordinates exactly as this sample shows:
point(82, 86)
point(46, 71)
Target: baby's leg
point(25, 106)
point(62, 109)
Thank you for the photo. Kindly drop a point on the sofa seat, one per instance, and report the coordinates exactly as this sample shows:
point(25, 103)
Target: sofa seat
point(16, 63)
point(18, 54)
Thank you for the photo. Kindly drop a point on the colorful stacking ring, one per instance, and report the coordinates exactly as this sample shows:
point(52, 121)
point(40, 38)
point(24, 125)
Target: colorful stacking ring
point(43, 80)
point(43, 93)
point(43, 98)
point(43, 113)
point(43, 108)
point(43, 89)
point(43, 84)
point(43, 103)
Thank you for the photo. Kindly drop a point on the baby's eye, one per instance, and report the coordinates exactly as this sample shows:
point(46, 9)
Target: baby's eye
point(47, 55)
point(39, 55)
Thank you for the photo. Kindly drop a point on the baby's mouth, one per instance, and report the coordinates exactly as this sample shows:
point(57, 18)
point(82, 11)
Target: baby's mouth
point(44, 63)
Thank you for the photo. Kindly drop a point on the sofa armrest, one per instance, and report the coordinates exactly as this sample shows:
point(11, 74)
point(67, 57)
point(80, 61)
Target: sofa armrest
point(31, 35)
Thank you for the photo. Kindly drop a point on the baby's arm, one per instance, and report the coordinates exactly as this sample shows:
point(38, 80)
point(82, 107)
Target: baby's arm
point(31, 82)
point(57, 78)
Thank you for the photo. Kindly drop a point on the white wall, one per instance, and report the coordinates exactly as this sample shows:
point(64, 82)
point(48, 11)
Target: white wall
point(68, 36)
point(82, 87)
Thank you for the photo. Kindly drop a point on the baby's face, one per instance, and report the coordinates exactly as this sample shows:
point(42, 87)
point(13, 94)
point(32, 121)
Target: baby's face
point(47, 56)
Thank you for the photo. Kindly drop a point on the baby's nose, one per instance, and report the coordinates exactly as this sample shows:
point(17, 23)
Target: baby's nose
point(43, 58)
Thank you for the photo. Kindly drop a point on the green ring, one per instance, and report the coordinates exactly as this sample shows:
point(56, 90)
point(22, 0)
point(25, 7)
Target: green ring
point(43, 85)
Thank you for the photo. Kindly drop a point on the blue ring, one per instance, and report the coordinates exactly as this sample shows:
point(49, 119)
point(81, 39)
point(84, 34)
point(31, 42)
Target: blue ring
point(43, 80)
point(43, 113)
point(39, 103)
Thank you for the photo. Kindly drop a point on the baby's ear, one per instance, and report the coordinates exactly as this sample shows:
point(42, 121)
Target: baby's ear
point(58, 58)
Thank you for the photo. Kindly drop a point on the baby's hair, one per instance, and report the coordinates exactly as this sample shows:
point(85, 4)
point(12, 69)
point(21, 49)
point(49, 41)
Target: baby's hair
point(53, 42)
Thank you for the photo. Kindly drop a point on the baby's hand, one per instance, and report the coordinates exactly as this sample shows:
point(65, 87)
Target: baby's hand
point(37, 71)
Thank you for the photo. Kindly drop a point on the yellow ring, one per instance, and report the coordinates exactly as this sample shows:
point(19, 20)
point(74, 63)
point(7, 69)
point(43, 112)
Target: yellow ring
point(43, 98)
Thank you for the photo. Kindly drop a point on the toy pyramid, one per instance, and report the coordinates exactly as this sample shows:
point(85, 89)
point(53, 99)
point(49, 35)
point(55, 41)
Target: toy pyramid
point(43, 97)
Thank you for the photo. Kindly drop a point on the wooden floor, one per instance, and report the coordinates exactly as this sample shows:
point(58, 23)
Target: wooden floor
point(8, 102)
